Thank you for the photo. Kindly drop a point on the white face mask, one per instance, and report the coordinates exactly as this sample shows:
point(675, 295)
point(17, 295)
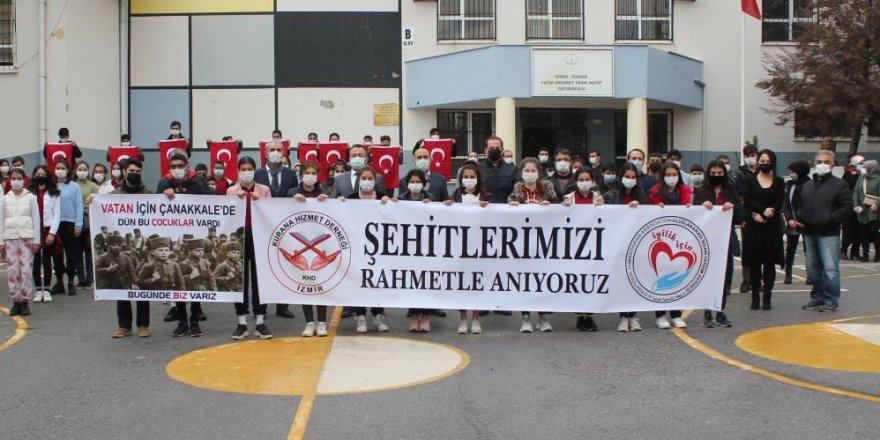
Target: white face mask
point(63, 140)
point(530, 177)
point(178, 173)
point(274, 156)
point(697, 178)
point(751, 161)
point(628, 183)
point(435, 136)
point(670, 180)
point(246, 176)
point(543, 158)
point(4, 169)
point(415, 188)
point(61, 174)
point(175, 132)
point(677, 163)
point(126, 144)
point(594, 160)
point(508, 160)
point(310, 179)
point(83, 175)
point(423, 164)
point(469, 183)
point(562, 166)
point(637, 163)
point(17, 184)
point(116, 174)
point(585, 186)
point(357, 162)
point(218, 172)
point(367, 185)
point(823, 169)
point(793, 176)
point(99, 177)
point(727, 167)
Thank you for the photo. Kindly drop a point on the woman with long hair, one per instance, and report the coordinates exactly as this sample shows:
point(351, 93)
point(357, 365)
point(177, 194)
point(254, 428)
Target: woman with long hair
point(70, 228)
point(48, 199)
point(763, 197)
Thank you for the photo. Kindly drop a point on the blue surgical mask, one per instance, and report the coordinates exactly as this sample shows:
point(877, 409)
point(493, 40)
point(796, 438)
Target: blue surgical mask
point(610, 178)
point(357, 162)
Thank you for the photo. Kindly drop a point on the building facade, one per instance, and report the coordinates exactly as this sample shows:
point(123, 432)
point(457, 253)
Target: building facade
point(607, 75)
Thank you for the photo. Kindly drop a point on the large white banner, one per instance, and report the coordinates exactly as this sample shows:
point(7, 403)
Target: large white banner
point(529, 257)
point(149, 248)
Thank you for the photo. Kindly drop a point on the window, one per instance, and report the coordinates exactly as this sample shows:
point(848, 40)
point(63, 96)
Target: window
point(554, 127)
point(554, 19)
point(806, 129)
point(469, 128)
point(466, 20)
point(7, 34)
point(784, 20)
point(644, 20)
point(659, 132)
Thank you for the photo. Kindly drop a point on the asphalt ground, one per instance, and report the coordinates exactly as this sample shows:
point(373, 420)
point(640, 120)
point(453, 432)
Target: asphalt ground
point(65, 378)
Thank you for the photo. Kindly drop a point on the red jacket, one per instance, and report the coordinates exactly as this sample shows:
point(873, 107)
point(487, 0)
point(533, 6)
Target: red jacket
point(687, 194)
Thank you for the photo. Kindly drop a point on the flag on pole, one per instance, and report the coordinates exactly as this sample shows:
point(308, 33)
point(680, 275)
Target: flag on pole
point(750, 7)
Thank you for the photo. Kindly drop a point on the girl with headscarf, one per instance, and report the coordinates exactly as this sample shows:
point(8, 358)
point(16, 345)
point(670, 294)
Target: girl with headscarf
point(866, 207)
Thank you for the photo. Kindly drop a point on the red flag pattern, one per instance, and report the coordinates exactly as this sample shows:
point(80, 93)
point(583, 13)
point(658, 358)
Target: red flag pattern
point(307, 151)
point(441, 156)
point(750, 7)
point(226, 151)
point(166, 150)
point(285, 151)
point(328, 154)
point(385, 162)
point(115, 154)
point(58, 151)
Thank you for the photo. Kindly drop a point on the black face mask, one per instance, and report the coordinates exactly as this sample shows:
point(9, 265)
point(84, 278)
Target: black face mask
point(765, 167)
point(717, 180)
point(494, 155)
point(133, 179)
point(41, 180)
point(654, 167)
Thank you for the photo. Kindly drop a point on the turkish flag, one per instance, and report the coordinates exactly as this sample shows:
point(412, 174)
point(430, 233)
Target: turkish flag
point(60, 150)
point(167, 148)
point(441, 156)
point(307, 151)
point(385, 163)
point(750, 7)
point(227, 152)
point(115, 154)
point(285, 152)
point(328, 154)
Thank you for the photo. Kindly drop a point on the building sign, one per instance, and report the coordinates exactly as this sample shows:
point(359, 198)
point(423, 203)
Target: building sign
point(407, 37)
point(386, 115)
point(572, 72)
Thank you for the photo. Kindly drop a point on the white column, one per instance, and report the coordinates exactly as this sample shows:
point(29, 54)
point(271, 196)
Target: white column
point(505, 123)
point(637, 125)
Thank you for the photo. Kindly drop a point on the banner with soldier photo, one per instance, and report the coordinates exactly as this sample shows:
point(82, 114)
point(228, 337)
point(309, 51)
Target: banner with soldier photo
point(150, 248)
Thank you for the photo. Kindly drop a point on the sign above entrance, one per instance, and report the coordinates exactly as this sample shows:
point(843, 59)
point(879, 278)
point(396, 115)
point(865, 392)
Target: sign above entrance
point(572, 72)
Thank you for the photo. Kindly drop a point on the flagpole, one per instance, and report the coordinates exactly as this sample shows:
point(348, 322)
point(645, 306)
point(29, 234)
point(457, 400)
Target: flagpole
point(742, 88)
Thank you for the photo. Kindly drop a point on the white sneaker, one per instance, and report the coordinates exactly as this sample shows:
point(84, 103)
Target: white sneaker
point(38, 296)
point(623, 324)
point(463, 327)
point(663, 322)
point(634, 324)
point(310, 330)
point(379, 322)
point(526, 327)
point(322, 329)
point(47, 296)
point(679, 323)
point(544, 326)
point(361, 324)
point(476, 328)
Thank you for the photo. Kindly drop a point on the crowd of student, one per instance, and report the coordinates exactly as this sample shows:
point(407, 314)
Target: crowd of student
point(44, 219)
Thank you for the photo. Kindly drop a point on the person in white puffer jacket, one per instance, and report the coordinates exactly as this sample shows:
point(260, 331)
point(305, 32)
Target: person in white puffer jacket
point(20, 230)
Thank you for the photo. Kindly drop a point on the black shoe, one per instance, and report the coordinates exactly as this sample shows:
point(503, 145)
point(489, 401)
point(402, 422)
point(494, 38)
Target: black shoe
point(756, 301)
point(580, 325)
point(58, 289)
point(813, 304)
point(194, 329)
point(483, 312)
point(171, 316)
point(82, 284)
point(766, 304)
point(438, 313)
point(15, 310)
point(24, 308)
point(503, 312)
point(828, 308)
point(745, 286)
point(348, 313)
point(181, 330)
point(262, 332)
point(201, 316)
point(590, 325)
point(71, 289)
point(240, 332)
point(864, 258)
point(707, 319)
point(284, 312)
point(721, 319)
point(787, 278)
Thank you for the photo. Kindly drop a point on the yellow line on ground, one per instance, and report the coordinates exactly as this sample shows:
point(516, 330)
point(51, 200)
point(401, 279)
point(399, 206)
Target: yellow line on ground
point(717, 355)
point(307, 401)
point(21, 326)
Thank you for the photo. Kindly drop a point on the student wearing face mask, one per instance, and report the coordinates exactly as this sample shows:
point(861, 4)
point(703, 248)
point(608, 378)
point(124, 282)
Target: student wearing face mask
point(627, 192)
point(763, 197)
point(594, 158)
point(116, 174)
point(471, 191)
point(334, 137)
point(63, 138)
point(49, 202)
point(20, 232)
point(84, 262)
point(420, 320)
point(544, 157)
point(697, 176)
point(655, 161)
point(101, 177)
point(222, 183)
point(507, 156)
point(576, 164)
point(749, 169)
point(866, 207)
point(338, 168)
point(563, 180)
point(248, 189)
point(367, 189)
point(285, 162)
point(4, 173)
point(70, 228)
point(175, 131)
point(799, 173)
point(435, 185)
point(500, 176)
point(532, 190)
point(312, 137)
point(675, 157)
point(670, 191)
point(347, 183)
point(637, 158)
point(607, 178)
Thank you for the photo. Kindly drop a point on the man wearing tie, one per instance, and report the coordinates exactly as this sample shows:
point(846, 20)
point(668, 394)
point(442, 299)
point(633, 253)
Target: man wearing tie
point(279, 180)
point(345, 184)
point(436, 186)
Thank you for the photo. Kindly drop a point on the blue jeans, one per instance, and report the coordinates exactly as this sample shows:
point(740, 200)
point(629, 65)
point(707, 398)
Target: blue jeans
point(823, 267)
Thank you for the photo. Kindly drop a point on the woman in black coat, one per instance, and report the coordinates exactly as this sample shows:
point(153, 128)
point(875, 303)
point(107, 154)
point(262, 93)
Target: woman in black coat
point(763, 197)
point(799, 171)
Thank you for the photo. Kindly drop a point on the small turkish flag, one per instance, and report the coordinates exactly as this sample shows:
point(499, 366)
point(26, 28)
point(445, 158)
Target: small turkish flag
point(59, 151)
point(329, 153)
point(307, 151)
point(263, 155)
point(750, 7)
point(385, 163)
point(167, 148)
point(441, 156)
point(227, 152)
point(115, 154)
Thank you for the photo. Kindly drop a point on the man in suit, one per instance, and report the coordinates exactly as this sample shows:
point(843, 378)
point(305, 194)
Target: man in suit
point(279, 180)
point(345, 184)
point(436, 185)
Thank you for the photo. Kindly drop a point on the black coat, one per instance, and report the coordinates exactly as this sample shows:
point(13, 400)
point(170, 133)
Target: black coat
point(498, 180)
point(826, 202)
point(288, 180)
point(707, 194)
point(759, 238)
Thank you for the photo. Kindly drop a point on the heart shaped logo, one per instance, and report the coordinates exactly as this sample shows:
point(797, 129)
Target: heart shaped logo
point(664, 259)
